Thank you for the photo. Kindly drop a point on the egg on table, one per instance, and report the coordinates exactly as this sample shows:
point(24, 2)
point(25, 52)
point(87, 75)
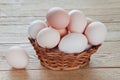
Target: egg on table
point(35, 27)
point(17, 57)
point(48, 38)
point(95, 33)
point(58, 18)
point(77, 21)
point(73, 43)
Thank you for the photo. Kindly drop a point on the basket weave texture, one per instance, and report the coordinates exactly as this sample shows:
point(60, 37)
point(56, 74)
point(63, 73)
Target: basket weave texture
point(56, 60)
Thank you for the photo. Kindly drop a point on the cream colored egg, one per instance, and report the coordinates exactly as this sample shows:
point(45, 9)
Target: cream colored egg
point(77, 21)
point(73, 43)
point(96, 33)
point(35, 27)
point(48, 38)
point(17, 57)
point(58, 18)
point(62, 32)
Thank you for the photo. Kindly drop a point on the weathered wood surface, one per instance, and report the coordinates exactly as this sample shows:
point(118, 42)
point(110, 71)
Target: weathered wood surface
point(82, 74)
point(15, 16)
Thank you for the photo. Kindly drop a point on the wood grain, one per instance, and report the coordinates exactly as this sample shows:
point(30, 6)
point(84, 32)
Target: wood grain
point(83, 74)
point(13, 11)
point(15, 17)
point(70, 4)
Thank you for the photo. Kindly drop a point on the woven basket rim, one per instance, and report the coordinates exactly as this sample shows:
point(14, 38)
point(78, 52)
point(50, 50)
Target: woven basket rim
point(59, 52)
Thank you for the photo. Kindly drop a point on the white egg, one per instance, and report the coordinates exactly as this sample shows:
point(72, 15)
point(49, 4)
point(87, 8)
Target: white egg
point(96, 33)
point(73, 43)
point(35, 27)
point(77, 21)
point(48, 38)
point(17, 57)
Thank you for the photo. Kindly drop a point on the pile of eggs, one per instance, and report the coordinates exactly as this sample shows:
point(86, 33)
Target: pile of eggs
point(71, 32)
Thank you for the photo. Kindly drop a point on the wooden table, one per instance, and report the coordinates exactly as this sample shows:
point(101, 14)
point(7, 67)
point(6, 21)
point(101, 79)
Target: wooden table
point(15, 16)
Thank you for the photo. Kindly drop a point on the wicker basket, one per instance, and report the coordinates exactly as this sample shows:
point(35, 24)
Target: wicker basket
point(56, 60)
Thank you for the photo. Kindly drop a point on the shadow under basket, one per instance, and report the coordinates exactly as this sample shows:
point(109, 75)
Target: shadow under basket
point(56, 60)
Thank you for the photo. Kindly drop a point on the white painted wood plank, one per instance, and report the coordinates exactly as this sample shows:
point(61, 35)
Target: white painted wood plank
point(16, 11)
point(83, 74)
point(64, 3)
point(27, 20)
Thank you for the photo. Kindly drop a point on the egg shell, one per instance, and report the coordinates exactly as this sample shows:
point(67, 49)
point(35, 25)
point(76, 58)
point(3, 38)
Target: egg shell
point(58, 18)
point(62, 32)
point(17, 57)
point(77, 21)
point(35, 27)
point(48, 38)
point(89, 20)
point(96, 33)
point(73, 43)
